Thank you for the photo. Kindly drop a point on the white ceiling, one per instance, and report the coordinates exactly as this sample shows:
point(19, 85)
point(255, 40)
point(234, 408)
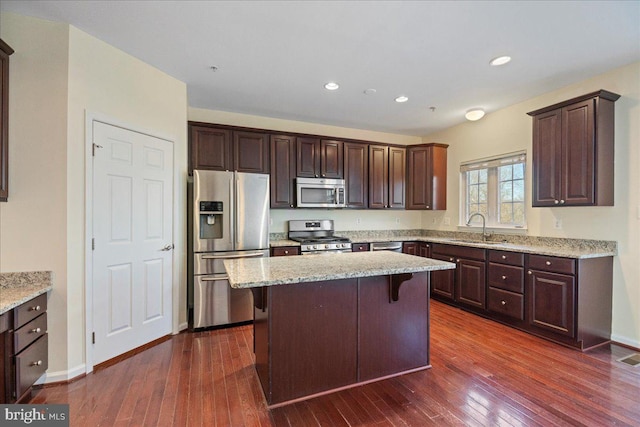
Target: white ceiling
point(275, 56)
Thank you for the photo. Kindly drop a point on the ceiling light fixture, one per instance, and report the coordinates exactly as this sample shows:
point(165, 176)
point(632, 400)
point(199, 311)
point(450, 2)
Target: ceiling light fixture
point(402, 98)
point(331, 86)
point(474, 114)
point(500, 60)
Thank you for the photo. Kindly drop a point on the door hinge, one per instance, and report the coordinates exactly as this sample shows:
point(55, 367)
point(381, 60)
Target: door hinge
point(93, 337)
point(93, 244)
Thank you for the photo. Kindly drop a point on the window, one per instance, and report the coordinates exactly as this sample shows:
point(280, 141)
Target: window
point(495, 188)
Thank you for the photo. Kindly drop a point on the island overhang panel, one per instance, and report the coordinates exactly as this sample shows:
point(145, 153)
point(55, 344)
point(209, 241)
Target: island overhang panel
point(368, 321)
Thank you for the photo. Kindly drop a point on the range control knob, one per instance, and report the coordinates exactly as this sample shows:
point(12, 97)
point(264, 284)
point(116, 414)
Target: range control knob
point(327, 246)
point(315, 246)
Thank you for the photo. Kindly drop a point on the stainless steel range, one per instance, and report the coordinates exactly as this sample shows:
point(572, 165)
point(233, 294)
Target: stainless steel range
point(316, 237)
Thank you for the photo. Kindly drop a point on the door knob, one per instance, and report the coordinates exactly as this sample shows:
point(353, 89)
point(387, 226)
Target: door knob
point(168, 247)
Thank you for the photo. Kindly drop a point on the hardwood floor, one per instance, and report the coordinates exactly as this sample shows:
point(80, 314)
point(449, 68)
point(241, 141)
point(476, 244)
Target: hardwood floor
point(483, 374)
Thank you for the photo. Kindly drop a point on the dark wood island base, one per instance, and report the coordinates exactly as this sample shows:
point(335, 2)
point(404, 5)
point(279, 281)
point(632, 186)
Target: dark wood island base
point(315, 338)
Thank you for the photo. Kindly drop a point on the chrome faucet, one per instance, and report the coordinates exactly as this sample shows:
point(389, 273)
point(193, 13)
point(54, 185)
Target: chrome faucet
point(484, 234)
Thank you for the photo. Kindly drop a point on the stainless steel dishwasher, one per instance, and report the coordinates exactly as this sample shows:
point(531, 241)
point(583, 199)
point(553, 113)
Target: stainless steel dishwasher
point(387, 246)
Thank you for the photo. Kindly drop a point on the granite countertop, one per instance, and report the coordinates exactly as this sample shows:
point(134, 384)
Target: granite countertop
point(561, 247)
point(18, 288)
point(251, 273)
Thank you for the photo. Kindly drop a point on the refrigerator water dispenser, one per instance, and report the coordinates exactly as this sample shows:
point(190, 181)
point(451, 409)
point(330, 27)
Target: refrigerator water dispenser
point(211, 220)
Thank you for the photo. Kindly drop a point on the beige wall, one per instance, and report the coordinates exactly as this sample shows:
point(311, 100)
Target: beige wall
point(33, 223)
point(68, 75)
point(345, 219)
point(510, 129)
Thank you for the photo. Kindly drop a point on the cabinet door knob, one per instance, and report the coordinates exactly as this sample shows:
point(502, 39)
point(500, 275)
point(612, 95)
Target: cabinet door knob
point(503, 302)
point(458, 260)
point(504, 277)
point(36, 330)
point(451, 259)
point(504, 257)
point(316, 175)
point(555, 202)
point(38, 363)
point(561, 202)
point(286, 252)
point(323, 175)
point(548, 262)
point(427, 206)
point(36, 308)
point(291, 205)
point(529, 272)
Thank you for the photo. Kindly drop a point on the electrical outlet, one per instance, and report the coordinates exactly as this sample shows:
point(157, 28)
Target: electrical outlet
point(557, 224)
point(447, 220)
point(397, 220)
point(358, 220)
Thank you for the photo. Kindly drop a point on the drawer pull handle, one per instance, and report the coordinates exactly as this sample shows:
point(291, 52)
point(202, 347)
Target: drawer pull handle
point(286, 252)
point(36, 308)
point(504, 277)
point(36, 330)
point(38, 363)
point(458, 260)
point(504, 257)
point(451, 259)
point(548, 262)
point(529, 272)
point(503, 302)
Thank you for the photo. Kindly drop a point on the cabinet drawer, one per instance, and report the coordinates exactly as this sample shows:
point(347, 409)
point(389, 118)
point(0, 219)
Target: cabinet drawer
point(505, 257)
point(29, 333)
point(551, 263)
point(29, 310)
point(4, 322)
point(506, 277)
point(30, 365)
point(507, 303)
point(459, 251)
point(285, 251)
point(359, 247)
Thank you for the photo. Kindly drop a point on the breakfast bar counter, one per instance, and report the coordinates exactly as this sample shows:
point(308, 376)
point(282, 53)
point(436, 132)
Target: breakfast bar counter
point(327, 322)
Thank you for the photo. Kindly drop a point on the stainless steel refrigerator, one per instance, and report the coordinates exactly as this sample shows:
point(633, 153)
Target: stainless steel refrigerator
point(228, 218)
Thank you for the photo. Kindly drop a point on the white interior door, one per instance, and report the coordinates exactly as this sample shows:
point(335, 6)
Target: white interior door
point(132, 231)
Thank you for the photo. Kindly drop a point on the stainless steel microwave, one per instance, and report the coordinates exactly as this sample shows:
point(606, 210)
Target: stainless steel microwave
point(320, 193)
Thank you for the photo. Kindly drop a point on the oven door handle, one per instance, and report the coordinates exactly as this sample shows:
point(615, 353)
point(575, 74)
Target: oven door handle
point(249, 255)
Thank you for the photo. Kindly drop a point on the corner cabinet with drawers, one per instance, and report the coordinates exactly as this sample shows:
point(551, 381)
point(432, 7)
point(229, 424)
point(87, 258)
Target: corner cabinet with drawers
point(23, 355)
point(565, 300)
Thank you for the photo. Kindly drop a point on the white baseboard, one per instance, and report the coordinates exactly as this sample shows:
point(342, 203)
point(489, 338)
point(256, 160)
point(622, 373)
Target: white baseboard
point(625, 341)
point(61, 376)
point(182, 326)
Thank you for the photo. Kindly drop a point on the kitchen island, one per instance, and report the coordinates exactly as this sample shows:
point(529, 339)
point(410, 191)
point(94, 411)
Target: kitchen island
point(328, 322)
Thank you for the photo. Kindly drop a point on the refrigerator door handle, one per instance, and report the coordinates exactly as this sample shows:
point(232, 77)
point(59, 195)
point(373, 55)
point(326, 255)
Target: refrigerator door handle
point(214, 279)
point(232, 211)
point(235, 207)
point(247, 255)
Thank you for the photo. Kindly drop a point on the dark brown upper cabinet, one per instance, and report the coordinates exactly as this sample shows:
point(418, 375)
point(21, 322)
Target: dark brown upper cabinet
point(219, 148)
point(427, 183)
point(251, 152)
point(283, 171)
point(5, 52)
point(319, 158)
point(356, 172)
point(573, 152)
point(387, 176)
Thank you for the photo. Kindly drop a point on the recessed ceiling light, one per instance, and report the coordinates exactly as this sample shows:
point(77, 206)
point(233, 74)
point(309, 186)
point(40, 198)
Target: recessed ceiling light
point(213, 68)
point(370, 91)
point(331, 86)
point(474, 114)
point(500, 60)
point(402, 98)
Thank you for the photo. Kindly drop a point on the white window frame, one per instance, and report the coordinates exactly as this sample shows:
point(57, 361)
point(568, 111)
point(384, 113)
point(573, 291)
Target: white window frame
point(493, 190)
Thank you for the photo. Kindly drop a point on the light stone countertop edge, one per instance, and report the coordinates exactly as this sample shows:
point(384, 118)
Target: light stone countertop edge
point(566, 252)
point(259, 272)
point(18, 288)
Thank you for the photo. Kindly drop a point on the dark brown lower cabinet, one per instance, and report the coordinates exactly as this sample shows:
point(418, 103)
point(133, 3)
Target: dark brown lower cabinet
point(316, 337)
point(23, 349)
point(565, 300)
